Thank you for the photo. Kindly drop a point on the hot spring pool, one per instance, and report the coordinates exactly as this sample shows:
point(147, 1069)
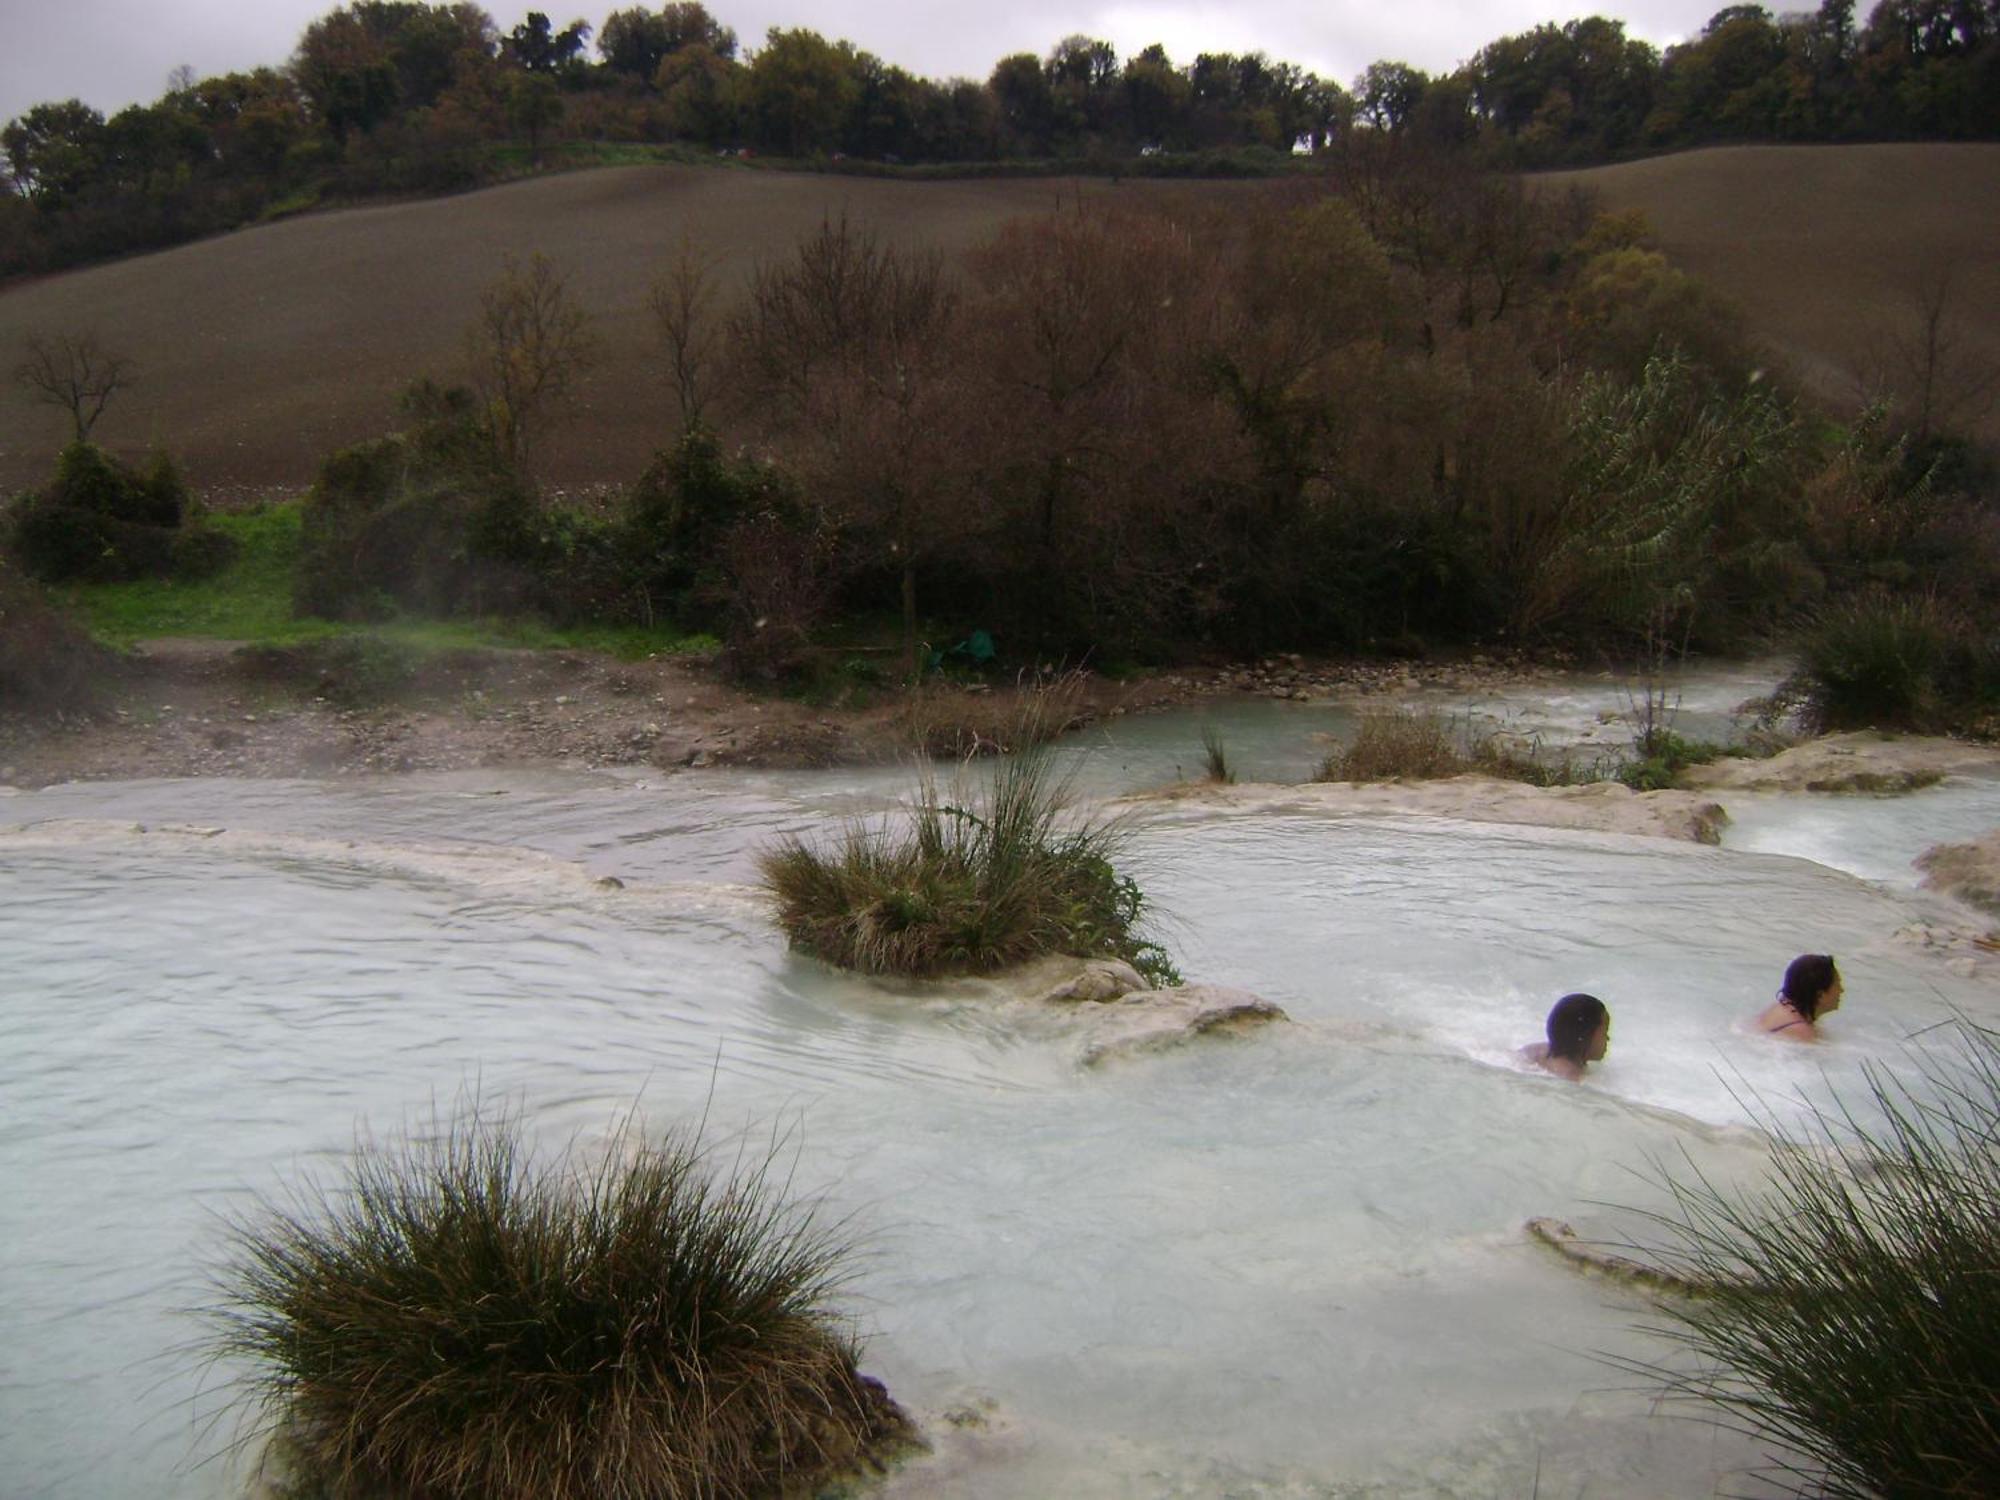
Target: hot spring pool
point(1283, 1265)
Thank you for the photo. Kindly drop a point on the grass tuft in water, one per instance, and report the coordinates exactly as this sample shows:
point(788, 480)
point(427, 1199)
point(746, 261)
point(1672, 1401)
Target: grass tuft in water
point(1852, 1307)
point(459, 1319)
point(967, 889)
point(1399, 745)
point(1411, 745)
point(1215, 757)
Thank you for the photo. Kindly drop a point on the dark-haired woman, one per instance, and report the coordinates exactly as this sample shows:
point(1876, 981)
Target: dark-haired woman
point(1579, 1029)
point(1811, 989)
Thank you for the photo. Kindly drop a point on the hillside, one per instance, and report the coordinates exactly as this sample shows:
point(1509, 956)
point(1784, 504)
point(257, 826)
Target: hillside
point(260, 351)
point(1826, 248)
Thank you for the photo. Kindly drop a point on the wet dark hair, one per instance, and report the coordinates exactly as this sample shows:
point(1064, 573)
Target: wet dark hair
point(1572, 1023)
point(1807, 977)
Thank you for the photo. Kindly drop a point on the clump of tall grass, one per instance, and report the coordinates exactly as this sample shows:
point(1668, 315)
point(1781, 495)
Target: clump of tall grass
point(1851, 1308)
point(1406, 745)
point(461, 1319)
point(1215, 757)
point(950, 721)
point(1399, 745)
point(967, 889)
point(1886, 661)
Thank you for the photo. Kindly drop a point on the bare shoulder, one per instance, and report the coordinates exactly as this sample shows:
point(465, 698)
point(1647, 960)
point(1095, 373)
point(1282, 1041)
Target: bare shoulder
point(1780, 1020)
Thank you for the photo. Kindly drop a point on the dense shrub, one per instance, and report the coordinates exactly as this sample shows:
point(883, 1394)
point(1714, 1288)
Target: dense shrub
point(426, 520)
point(462, 1321)
point(966, 889)
point(101, 520)
point(47, 661)
point(1849, 1308)
point(675, 527)
point(1897, 661)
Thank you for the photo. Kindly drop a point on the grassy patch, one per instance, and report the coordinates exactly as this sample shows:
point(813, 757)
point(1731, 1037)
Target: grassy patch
point(250, 599)
point(1850, 1308)
point(966, 889)
point(460, 1319)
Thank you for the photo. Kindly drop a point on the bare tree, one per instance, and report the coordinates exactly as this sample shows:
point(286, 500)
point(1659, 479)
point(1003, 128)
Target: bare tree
point(528, 347)
point(848, 345)
point(76, 374)
point(1931, 369)
point(683, 303)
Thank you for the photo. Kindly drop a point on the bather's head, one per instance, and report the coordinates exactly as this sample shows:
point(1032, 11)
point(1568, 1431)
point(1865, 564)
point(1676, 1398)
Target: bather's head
point(1579, 1029)
point(1812, 985)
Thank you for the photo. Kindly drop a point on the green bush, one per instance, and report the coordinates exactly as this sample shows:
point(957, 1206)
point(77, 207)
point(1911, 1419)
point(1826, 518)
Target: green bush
point(966, 890)
point(675, 518)
point(101, 520)
point(461, 1321)
point(1661, 756)
point(426, 520)
point(1850, 1311)
point(1887, 661)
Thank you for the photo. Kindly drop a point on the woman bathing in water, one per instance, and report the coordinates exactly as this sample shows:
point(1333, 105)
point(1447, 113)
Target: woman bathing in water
point(1811, 989)
point(1579, 1030)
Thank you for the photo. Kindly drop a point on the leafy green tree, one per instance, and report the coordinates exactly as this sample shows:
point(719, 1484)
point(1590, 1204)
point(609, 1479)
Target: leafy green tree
point(253, 119)
point(54, 151)
point(702, 93)
point(534, 104)
point(345, 74)
point(1156, 98)
point(634, 42)
point(799, 89)
point(1386, 94)
point(538, 47)
point(1026, 106)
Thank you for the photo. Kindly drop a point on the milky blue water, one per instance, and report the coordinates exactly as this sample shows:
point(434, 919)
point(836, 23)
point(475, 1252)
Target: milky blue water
point(1288, 1264)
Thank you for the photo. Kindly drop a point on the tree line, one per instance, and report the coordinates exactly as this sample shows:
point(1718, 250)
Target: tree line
point(1429, 409)
point(1403, 406)
point(400, 96)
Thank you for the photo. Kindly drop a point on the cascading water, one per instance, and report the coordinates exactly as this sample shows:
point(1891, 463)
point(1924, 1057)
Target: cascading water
point(1288, 1264)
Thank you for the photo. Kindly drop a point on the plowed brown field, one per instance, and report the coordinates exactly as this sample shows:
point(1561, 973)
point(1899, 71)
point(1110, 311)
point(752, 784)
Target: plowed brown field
point(260, 351)
point(1827, 248)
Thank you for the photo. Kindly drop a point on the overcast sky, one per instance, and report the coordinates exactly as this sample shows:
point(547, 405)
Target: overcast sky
point(111, 53)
